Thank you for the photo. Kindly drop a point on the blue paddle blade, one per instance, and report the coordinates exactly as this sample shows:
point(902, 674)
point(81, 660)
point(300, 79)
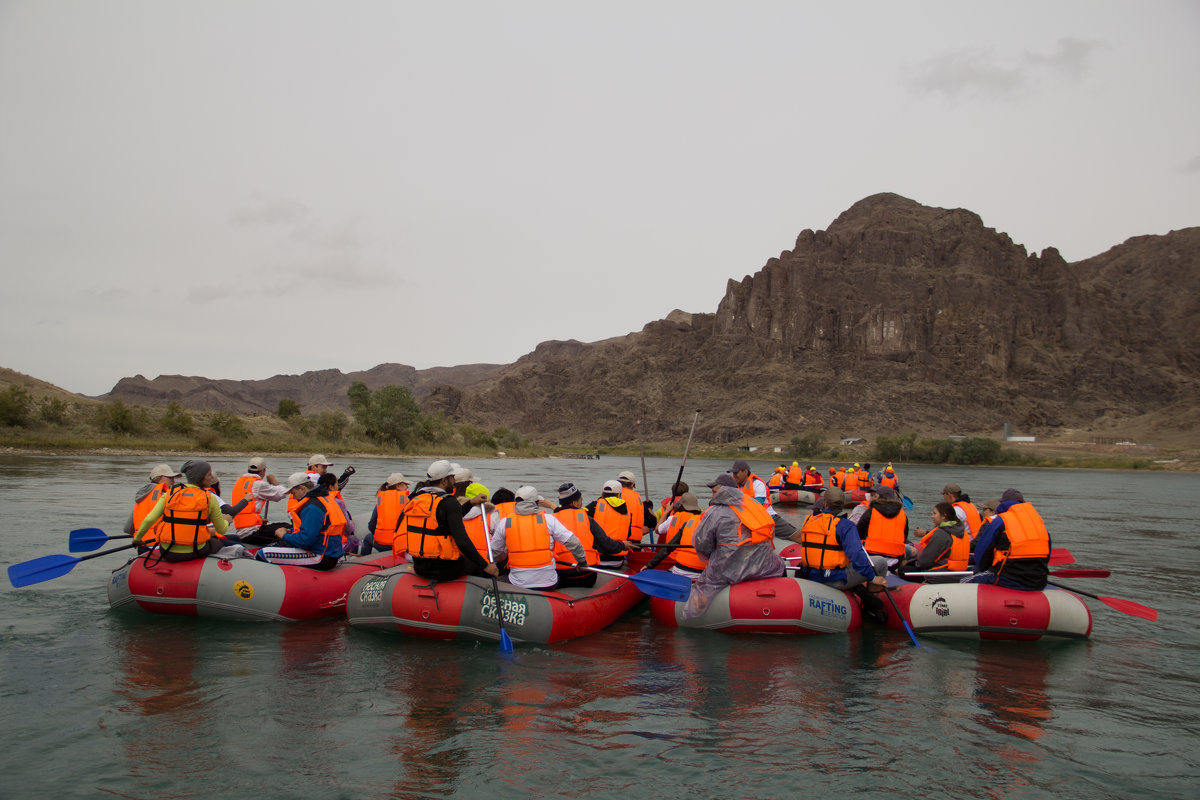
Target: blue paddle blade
point(506, 645)
point(83, 540)
point(41, 569)
point(666, 585)
point(908, 504)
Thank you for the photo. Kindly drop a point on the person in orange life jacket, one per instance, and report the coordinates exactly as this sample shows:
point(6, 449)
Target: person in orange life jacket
point(642, 510)
point(319, 465)
point(732, 552)
point(861, 567)
point(463, 478)
point(964, 509)
point(162, 478)
point(850, 479)
point(812, 477)
point(886, 514)
point(679, 528)
point(258, 489)
point(612, 513)
point(186, 512)
point(948, 546)
point(596, 543)
point(391, 496)
point(887, 477)
point(350, 541)
point(528, 537)
point(987, 512)
point(474, 515)
point(443, 532)
point(1013, 549)
point(794, 476)
point(314, 543)
point(755, 489)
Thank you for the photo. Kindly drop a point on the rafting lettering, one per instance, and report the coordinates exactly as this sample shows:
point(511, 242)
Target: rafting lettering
point(372, 591)
point(514, 610)
point(827, 607)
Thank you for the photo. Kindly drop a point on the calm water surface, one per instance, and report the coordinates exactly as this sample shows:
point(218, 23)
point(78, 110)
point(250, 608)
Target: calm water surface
point(101, 704)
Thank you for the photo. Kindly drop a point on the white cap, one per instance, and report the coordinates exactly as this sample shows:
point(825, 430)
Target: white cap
point(258, 465)
point(526, 492)
point(395, 478)
point(164, 471)
point(626, 476)
point(463, 475)
point(319, 459)
point(296, 479)
point(611, 487)
point(439, 469)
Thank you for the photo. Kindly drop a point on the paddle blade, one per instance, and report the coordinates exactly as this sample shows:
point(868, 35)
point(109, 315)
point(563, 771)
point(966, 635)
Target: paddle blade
point(1129, 607)
point(83, 540)
point(907, 503)
point(666, 585)
point(41, 569)
point(1081, 573)
point(1060, 556)
point(506, 645)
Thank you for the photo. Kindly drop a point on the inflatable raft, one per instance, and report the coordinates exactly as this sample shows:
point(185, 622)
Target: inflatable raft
point(770, 605)
point(796, 497)
point(400, 601)
point(239, 588)
point(983, 611)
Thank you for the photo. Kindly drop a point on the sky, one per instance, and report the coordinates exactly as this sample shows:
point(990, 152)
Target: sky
point(240, 189)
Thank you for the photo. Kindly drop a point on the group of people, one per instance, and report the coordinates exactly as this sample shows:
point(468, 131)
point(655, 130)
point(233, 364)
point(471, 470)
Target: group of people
point(846, 477)
point(450, 525)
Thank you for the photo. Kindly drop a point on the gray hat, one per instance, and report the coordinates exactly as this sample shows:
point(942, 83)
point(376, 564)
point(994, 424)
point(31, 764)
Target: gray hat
point(164, 471)
point(439, 470)
point(611, 488)
point(738, 466)
point(886, 493)
point(258, 465)
point(567, 490)
point(688, 502)
point(626, 476)
point(1012, 495)
point(195, 470)
point(463, 475)
point(526, 492)
point(952, 488)
point(990, 505)
point(395, 478)
point(834, 497)
point(316, 459)
point(723, 480)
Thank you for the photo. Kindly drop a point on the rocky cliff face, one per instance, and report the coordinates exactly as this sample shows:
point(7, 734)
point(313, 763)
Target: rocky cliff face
point(899, 317)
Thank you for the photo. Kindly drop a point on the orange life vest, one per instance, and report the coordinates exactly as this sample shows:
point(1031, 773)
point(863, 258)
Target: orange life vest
point(637, 512)
point(506, 509)
point(974, 521)
point(389, 506)
point(686, 556)
point(839, 478)
point(821, 548)
point(185, 518)
point(748, 490)
point(885, 537)
point(956, 557)
point(776, 481)
point(249, 515)
point(796, 475)
point(759, 524)
point(1027, 535)
point(337, 521)
point(144, 507)
point(614, 523)
point(850, 480)
point(421, 533)
point(477, 532)
point(528, 540)
point(888, 479)
point(576, 520)
point(813, 478)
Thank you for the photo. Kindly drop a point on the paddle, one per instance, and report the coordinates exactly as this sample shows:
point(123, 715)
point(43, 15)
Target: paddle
point(906, 502)
point(1062, 573)
point(1124, 606)
point(83, 540)
point(50, 567)
point(642, 450)
point(653, 582)
point(506, 645)
point(683, 463)
point(896, 609)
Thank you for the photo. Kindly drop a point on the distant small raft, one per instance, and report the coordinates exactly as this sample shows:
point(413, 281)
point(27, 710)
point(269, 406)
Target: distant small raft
point(794, 497)
point(771, 605)
point(983, 611)
point(400, 601)
point(239, 588)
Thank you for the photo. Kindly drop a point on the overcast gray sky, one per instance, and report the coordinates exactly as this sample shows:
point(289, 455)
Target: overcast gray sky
point(446, 183)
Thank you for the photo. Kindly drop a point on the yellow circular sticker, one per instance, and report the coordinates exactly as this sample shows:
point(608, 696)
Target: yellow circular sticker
point(243, 590)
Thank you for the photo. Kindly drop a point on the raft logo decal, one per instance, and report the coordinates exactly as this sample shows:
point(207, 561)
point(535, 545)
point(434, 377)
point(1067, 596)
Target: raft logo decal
point(372, 591)
point(244, 590)
point(827, 608)
point(940, 606)
point(515, 609)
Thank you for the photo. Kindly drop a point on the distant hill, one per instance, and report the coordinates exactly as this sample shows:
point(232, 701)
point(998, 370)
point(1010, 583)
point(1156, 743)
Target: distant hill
point(900, 317)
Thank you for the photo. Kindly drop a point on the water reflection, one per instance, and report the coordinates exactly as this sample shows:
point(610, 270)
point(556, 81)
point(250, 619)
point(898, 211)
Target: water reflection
point(1010, 688)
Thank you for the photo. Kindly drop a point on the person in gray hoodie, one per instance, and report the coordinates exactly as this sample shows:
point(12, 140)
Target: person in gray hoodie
point(717, 539)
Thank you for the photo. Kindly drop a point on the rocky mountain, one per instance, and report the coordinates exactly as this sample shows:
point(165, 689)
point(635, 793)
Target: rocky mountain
point(899, 317)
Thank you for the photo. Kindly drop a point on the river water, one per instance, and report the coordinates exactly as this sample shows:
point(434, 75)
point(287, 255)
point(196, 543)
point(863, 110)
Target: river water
point(97, 703)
